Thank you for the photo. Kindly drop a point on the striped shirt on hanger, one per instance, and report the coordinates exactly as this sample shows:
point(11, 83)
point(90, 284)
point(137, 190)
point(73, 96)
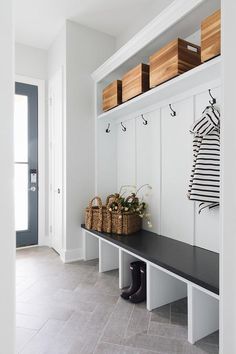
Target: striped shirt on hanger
point(204, 184)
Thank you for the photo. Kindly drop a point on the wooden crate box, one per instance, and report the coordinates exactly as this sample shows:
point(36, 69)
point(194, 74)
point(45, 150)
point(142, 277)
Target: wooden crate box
point(112, 95)
point(210, 36)
point(172, 60)
point(135, 82)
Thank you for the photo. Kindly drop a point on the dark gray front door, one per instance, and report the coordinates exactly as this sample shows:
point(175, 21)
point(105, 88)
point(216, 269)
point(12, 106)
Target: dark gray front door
point(26, 164)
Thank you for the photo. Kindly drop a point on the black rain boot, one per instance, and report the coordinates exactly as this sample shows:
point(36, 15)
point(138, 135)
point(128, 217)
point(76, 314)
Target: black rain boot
point(135, 280)
point(140, 295)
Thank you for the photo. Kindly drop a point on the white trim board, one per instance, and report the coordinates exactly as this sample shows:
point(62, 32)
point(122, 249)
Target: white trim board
point(175, 99)
point(69, 256)
point(204, 74)
point(43, 239)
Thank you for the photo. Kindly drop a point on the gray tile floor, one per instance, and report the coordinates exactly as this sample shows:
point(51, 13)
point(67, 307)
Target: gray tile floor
point(72, 309)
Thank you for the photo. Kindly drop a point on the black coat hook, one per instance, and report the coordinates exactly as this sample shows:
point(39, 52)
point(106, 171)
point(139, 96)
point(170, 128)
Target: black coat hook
point(213, 101)
point(108, 128)
point(145, 122)
point(173, 113)
point(123, 127)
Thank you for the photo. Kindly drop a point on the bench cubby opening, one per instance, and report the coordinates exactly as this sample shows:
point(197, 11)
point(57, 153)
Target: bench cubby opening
point(108, 256)
point(90, 246)
point(124, 268)
point(163, 288)
point(169, 278)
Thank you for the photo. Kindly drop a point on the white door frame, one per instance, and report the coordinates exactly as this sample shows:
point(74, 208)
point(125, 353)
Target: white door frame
point(61, 252)
point(43, 240)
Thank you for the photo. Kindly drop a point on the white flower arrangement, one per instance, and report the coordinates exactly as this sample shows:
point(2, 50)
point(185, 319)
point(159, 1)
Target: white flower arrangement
point(130, 201)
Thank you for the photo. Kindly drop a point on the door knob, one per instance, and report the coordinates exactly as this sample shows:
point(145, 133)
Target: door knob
point(32, 189)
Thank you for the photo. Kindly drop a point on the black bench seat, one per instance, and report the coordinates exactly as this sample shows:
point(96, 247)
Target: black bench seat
point(198, 265)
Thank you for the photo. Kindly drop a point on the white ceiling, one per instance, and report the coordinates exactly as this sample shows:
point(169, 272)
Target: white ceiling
point(37, 22)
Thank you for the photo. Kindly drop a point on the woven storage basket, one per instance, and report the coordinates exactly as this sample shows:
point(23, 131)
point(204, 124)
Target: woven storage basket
point(98, 217)
point(125, 223)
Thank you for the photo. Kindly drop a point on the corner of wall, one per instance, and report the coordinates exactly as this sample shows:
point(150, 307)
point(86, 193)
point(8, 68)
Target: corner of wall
point(71, 255)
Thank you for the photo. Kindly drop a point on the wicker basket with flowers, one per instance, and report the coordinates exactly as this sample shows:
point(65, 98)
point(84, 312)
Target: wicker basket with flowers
point(128, 212)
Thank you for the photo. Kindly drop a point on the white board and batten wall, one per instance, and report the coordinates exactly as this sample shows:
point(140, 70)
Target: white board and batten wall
point(160, 153)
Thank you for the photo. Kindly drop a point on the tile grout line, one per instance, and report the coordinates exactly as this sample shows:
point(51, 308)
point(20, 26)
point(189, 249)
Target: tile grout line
point(37, 331)
point(104, 328)
point(128, 322)
point(129, 347)
point(149, 322)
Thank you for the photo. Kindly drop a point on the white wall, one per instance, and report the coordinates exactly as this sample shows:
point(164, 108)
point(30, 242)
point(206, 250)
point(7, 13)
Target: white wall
point(31, 62)
point(7, 235)
point(79, 51)
point(228, 219)
point(86, 49)
point(148, 14)
point(57, 53)
point(56, 62)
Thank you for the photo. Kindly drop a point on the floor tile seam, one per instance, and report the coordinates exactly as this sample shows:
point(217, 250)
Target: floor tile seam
point(30, 315)
point(149, 321)
point(104, 328)
point(95, 308)
point(64, 325)
point(156, 335)
point(170, 324)
point(205, 343)
point(51, 318)
point(28, 288)
point(33, 329)
point(128, 322)
point(28, 342)
point(167, 337)
point(128, 347)
point(184, 340)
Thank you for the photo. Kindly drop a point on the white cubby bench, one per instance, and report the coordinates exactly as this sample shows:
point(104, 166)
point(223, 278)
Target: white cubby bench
point(174, 270)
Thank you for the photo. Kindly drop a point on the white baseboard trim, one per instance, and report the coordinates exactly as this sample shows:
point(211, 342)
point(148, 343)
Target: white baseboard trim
point(68, 256)
point(44, 240)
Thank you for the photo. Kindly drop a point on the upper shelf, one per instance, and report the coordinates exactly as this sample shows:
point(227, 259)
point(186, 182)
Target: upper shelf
point(181, 18)
point(200, 75)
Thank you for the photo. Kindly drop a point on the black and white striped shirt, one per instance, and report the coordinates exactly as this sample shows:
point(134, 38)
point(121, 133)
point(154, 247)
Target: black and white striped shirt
point(204, 184)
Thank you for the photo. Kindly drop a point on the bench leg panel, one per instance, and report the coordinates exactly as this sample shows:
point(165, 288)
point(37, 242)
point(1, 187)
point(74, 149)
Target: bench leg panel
point(90, 246)
point(108, 256)
point(203, 314)
point(163, 288)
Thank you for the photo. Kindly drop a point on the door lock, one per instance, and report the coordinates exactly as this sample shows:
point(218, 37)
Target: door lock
point(32, 189)
point(58, 190)
point(33, 176)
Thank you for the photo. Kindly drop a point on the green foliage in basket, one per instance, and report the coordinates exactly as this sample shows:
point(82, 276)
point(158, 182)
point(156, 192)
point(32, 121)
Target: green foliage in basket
point(134, 203)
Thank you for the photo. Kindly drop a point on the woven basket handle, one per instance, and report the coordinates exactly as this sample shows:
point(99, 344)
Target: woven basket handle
point(120, 220)
point(110, 198)
point(90, 216)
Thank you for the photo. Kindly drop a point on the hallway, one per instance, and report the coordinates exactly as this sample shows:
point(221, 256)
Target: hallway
point(71, 308)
